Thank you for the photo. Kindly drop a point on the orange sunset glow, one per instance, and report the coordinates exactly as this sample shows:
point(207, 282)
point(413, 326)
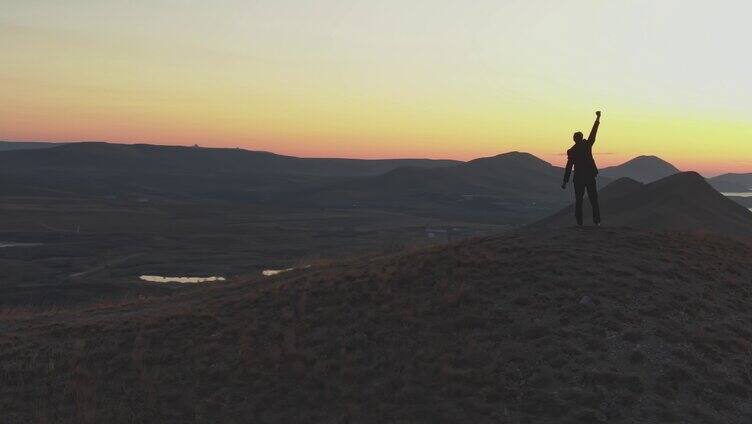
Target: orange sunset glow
point(386, 79)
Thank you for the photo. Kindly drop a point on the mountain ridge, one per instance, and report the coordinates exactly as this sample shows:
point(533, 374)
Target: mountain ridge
point(732, 182)
point(509, 188)
point(111, 157)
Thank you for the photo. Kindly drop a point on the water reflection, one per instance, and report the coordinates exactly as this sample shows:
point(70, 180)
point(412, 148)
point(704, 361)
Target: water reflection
point(182, 280)
point(738, 194)
point(271, 272)
point(14, 244)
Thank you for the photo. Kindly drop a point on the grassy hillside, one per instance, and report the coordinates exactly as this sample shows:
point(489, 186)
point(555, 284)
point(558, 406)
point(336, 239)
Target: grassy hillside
point(565, 325)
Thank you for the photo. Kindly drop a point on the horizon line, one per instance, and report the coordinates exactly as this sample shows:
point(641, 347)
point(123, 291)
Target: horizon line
point(195, 145)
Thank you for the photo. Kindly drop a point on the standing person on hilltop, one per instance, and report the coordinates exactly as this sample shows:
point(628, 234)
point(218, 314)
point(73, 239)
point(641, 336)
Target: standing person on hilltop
point(580, 156)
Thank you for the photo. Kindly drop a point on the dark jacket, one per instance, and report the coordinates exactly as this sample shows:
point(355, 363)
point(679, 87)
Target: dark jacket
point(580, 156)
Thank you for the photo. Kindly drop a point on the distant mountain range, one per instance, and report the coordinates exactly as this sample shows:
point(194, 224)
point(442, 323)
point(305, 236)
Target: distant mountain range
point(513, 187)
point(109, 158)
point(510, 175)
point(176, 172)
point(683, 201)
point(113, 158)
point(733, 183)
point(25, 145)
point(509, 187)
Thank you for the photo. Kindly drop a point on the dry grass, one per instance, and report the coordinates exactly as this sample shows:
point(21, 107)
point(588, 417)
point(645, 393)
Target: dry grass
point(22, 313)
point(491, 330)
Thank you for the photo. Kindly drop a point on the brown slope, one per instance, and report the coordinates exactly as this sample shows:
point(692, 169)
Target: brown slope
point(683, 201)
point(563, 325)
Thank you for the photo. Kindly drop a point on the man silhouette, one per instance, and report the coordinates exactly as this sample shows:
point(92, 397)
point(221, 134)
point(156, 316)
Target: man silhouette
point(580, 156)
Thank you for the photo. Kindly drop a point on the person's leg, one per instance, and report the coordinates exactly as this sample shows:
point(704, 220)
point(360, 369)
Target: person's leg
point(592, 194)
point(579, 192)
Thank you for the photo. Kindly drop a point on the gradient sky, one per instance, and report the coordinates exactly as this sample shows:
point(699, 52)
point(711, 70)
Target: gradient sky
point(390, 78)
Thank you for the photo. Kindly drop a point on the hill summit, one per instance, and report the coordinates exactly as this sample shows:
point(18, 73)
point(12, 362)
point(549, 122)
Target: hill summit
point(644, 169)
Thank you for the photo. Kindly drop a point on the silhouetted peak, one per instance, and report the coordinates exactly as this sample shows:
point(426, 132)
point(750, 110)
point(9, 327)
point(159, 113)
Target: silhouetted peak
point(646, 158)
point(625, 182)
point(621, 187)
point(641, 168)
point(516, 155)
point(687, 178)
point(510, 158)
point(649, 160)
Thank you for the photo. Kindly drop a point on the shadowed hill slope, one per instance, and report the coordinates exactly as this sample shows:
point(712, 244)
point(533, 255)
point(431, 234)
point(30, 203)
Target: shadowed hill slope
point(509, 176)
point(512, 186)
point(683, 201)
point(514, 177)
point(645, 169)
point(551, 326)
point(514, 173)
point(175, 172)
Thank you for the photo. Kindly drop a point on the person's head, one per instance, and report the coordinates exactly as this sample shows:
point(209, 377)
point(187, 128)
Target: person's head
point(577, 137)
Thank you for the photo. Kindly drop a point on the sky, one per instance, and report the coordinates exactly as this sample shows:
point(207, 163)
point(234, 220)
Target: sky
point(384, 79)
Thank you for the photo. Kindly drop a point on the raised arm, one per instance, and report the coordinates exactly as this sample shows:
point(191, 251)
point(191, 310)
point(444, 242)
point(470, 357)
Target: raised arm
point(594, 131)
